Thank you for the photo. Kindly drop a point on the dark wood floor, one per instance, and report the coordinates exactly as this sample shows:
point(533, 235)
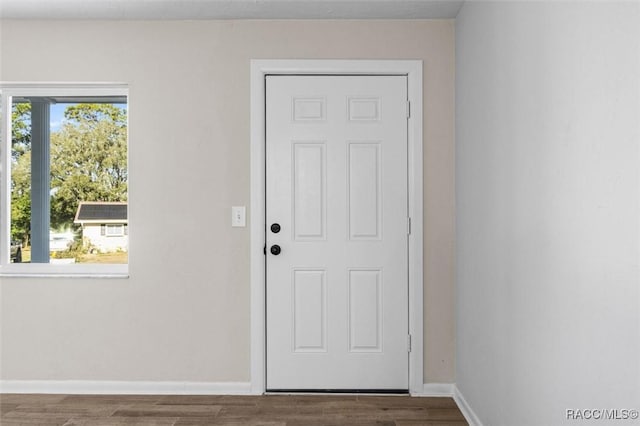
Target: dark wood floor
point(269, 410)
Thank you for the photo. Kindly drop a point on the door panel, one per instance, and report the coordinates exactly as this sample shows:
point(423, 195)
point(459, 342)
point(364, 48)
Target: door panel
point(309, 185)
point(365, 310)
point(310, 311)
point(365, 197)
point(337, 293)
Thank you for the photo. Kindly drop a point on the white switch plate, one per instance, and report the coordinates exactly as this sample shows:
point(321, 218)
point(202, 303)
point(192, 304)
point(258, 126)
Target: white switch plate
point(238, 216)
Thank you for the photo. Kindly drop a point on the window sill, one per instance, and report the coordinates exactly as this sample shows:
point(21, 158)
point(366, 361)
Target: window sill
point(46, 270)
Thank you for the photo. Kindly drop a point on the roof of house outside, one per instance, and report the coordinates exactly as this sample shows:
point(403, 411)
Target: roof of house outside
point(101, 212)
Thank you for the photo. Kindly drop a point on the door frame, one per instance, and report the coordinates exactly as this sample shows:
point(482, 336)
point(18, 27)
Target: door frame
point(260, 68)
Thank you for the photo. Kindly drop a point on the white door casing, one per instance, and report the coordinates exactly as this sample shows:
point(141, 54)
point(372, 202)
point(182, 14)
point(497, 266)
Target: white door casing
point(412, 69)
point(336, 186)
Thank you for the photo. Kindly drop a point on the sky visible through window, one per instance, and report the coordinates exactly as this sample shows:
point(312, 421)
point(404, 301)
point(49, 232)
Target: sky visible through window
point(56, 114)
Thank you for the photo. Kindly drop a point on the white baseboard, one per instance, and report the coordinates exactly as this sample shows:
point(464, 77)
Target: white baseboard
point(124, 387)
point(436, 390)
point(194, 388)
point(464, 406)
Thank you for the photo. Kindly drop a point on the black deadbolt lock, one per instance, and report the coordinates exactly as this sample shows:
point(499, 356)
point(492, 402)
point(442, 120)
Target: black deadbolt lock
point(275, 228)
point(275, 250)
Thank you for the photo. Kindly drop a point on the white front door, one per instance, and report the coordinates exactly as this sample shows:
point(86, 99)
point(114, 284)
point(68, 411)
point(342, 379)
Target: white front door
point(337, 233)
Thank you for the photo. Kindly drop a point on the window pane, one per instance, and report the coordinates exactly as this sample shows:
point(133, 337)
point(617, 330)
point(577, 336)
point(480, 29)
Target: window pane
point(114, 230)
point(69, 176)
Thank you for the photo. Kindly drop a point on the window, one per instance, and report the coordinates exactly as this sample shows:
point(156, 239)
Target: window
point(114, 230)
point(64, 179)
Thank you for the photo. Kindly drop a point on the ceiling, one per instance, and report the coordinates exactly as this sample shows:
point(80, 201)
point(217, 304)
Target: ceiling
point(229, 9)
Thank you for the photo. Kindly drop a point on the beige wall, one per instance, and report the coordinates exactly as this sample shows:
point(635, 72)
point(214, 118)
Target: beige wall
point(184, 313)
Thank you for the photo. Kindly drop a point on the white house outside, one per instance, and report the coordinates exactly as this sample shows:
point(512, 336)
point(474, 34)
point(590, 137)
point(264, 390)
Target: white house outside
point(104, 226)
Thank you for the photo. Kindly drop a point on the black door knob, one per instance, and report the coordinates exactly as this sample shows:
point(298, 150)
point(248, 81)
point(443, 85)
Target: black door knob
point(275, 250)
point(275, 228)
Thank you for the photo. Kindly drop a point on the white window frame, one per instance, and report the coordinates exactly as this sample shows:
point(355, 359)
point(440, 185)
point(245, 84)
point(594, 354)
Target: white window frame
point(118, 226)
point(9, 90)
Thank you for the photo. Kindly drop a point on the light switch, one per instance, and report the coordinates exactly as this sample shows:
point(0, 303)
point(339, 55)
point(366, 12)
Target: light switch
point(238, 216)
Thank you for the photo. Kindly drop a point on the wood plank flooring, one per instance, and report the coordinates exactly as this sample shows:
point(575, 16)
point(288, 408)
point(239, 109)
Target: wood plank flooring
point(267, 410)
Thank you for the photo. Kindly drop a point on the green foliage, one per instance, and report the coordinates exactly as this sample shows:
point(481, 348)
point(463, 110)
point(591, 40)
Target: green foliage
point(21, 199)
point(76, 251)
point(20, 129)
point(21, 172)
point(88, 159)
point(88, 163)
